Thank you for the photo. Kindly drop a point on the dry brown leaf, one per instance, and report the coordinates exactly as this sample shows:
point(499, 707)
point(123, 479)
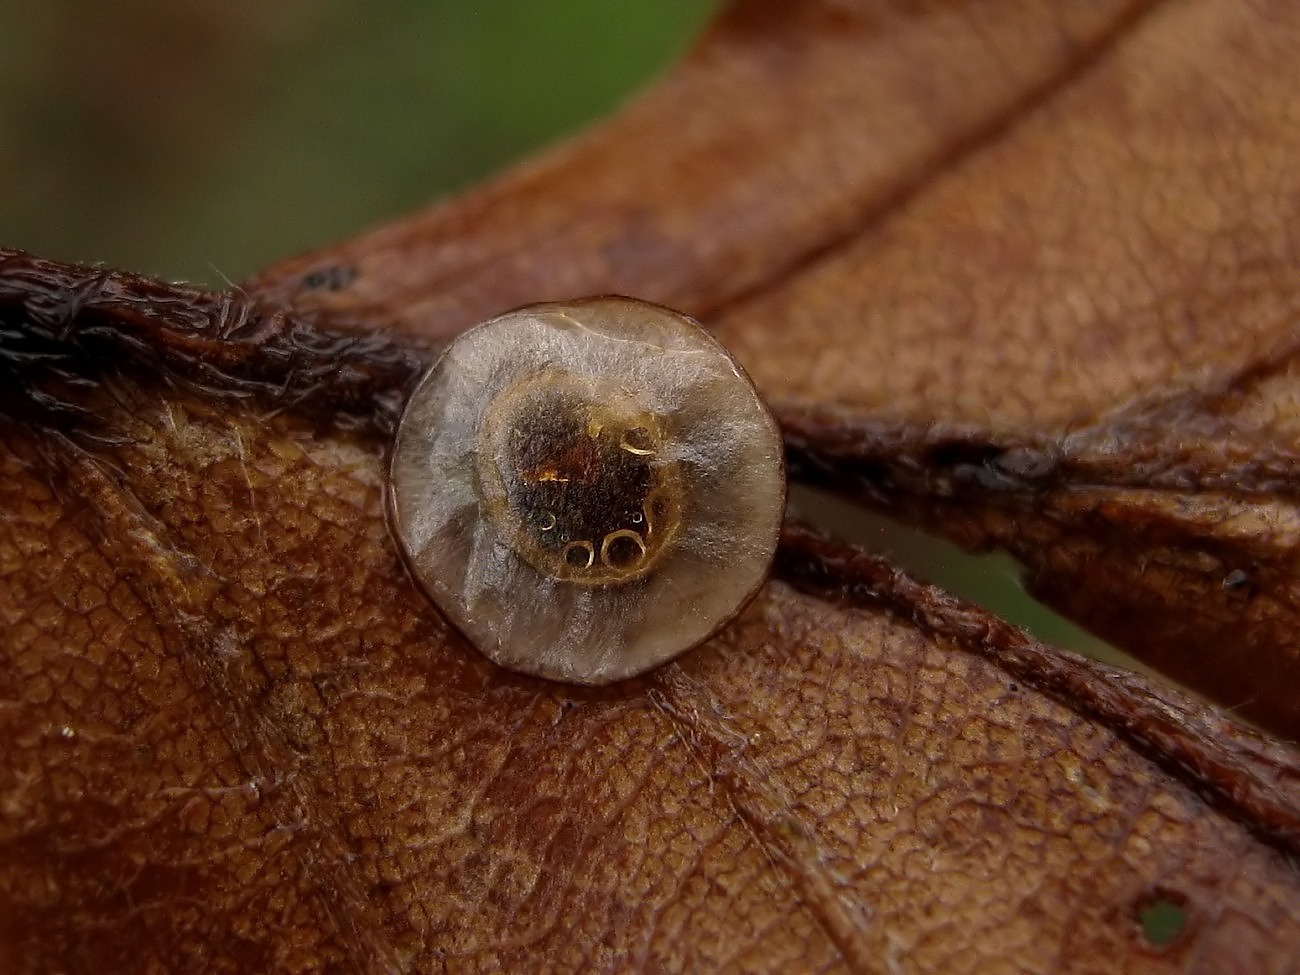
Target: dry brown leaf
point(242, 740)
point(1139, 451)
point(994, 225)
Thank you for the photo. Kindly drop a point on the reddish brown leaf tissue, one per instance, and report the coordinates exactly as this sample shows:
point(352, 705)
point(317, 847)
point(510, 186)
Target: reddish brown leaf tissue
point(1023, 272)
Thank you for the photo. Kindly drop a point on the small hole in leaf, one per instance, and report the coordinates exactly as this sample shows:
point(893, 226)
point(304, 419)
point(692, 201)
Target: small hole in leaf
point(1236, 579)
point(1162, 917)
point(336, 277)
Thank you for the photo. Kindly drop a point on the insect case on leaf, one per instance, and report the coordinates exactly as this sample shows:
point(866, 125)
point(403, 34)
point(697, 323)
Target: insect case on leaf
point(587, 489)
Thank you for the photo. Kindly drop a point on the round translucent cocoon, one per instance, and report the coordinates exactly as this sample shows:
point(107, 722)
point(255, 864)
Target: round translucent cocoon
point(587, 489)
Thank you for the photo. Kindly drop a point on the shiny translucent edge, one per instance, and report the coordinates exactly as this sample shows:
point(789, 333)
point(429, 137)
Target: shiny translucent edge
point(724, 437)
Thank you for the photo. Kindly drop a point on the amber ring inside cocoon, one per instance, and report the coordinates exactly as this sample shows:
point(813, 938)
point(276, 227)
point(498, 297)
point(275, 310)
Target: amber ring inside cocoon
point(587, 489)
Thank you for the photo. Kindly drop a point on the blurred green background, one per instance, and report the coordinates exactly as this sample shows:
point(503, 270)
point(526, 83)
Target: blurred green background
point(200, 140)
